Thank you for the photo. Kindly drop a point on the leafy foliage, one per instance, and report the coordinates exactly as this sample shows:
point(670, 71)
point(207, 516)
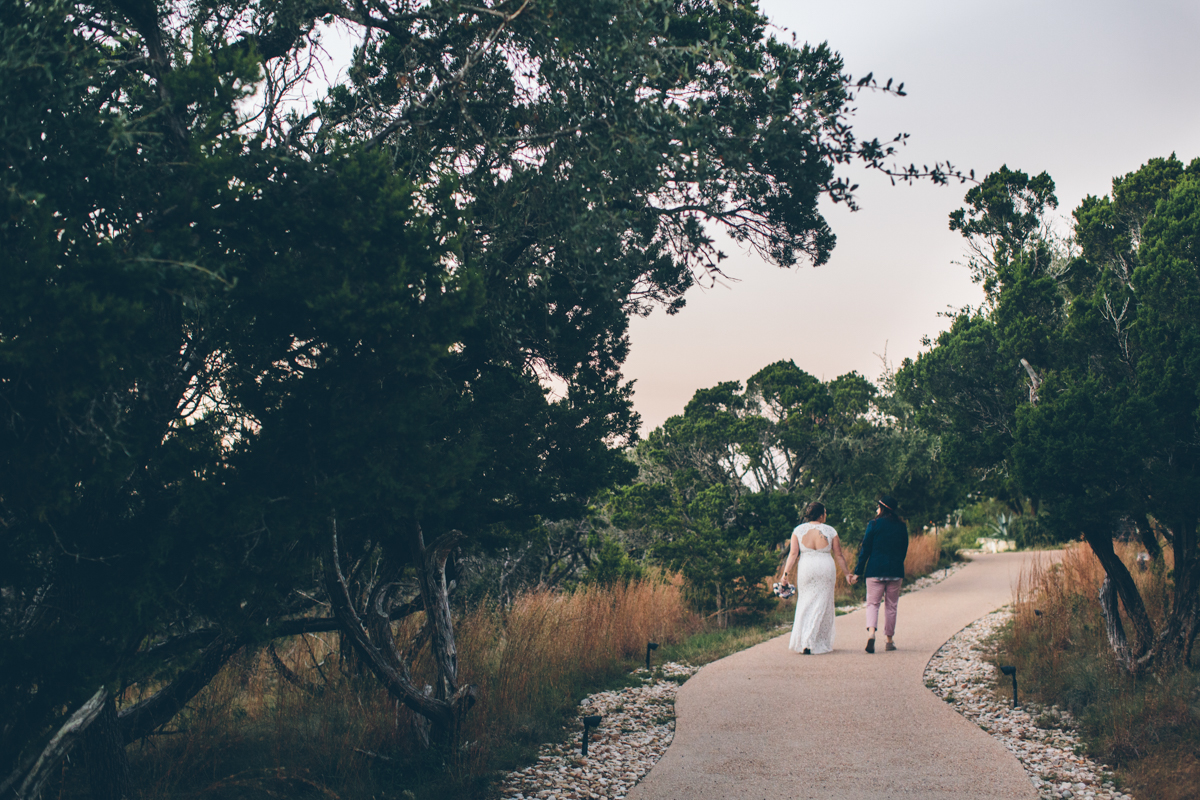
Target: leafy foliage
point(232, 324)
point(722, 484)
point(1077, 387)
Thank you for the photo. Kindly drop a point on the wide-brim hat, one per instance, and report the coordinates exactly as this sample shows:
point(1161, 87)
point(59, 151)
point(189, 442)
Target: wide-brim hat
point(889, 502)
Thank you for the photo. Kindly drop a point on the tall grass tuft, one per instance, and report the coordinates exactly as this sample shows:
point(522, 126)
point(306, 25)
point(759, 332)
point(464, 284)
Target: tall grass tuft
point(1148, 728)
point(251, 733)
point(923, 555)
point(842, 592)
point(537, 656)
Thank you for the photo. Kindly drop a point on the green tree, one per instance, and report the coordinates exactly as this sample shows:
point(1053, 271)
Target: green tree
point(721, 484)
point(696, 531)
point(967, 386)
point(240, 339)
point(143, 270)
point(1087, 386)
point(841, 442)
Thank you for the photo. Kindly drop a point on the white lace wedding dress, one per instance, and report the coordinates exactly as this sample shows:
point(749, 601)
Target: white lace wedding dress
point(815, 577)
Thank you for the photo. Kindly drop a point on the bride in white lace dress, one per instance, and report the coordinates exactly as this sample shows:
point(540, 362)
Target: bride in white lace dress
point(815, 545)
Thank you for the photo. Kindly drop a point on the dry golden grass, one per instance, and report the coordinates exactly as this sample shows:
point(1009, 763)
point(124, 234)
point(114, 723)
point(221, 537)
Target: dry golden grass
point(1064, 593)
point(923, 555)
point(253, 734)
point(1145, 727)
point(536, 652)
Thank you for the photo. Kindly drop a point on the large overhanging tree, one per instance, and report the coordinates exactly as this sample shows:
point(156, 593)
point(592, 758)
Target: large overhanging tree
point(241, 336)
point(1077, 383)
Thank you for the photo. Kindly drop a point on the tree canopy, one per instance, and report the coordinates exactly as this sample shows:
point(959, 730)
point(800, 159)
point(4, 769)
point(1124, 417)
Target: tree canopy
point(1077, 386)
point(722, 484)
point(250, 346)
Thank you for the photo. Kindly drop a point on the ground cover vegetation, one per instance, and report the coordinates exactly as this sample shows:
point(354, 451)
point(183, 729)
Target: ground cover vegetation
point(1146, 727)
point(293, 718)
point(271, 368)
point(301, 718)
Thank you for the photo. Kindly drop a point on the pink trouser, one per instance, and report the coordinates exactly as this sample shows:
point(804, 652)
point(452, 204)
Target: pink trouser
point(888, 590)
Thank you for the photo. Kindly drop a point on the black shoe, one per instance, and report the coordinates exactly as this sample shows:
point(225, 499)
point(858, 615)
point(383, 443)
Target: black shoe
point(871, 645)
point(807, 652)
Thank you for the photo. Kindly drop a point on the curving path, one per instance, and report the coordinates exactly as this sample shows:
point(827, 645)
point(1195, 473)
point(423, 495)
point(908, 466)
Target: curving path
point(767, 723)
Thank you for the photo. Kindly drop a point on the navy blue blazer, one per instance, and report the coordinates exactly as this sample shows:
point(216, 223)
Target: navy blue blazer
point(883, 548)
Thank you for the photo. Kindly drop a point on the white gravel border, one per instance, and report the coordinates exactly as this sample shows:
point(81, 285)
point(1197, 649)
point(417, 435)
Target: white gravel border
point(1051, 755)
point(637, 727)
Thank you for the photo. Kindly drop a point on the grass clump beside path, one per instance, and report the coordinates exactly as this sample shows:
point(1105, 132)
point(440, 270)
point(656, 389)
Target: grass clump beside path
point(1147, 728)
point(713, 644)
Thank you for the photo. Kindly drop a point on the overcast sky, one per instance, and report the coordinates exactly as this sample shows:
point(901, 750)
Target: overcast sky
point(1083, 90)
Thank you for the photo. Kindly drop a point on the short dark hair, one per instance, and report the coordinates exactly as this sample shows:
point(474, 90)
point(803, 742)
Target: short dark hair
point(813, 512)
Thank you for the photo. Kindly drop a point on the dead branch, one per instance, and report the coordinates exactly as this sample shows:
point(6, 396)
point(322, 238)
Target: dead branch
point(56, 749)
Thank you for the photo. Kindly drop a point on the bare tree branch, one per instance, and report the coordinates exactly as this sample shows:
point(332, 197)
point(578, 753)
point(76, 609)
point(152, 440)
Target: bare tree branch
point(436, 87)
point(56, 749)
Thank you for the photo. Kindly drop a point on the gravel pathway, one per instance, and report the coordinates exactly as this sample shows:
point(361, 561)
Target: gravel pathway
point(1041, 738)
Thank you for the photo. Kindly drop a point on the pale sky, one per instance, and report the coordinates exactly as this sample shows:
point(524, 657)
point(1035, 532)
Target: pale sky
point(1083, 90)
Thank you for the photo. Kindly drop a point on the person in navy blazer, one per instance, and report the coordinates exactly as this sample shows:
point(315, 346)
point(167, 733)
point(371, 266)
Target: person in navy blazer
point(881, 562)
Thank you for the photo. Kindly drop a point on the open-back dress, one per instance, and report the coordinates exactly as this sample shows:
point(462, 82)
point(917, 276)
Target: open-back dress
point(815, 578)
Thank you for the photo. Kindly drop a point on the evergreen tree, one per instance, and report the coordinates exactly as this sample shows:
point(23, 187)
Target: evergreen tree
point(1078, 384)
point(246, 347)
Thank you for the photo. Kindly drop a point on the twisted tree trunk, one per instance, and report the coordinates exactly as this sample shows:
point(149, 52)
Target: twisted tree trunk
point(443, 709)
point(431, 574)
point(1112, 624)
point(104, 756)
point(1175, 642)
point(1126, 589)
point(1169, 648)
point(27, 782)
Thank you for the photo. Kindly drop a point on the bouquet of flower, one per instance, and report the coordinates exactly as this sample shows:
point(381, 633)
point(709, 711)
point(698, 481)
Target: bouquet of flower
point(783, 590)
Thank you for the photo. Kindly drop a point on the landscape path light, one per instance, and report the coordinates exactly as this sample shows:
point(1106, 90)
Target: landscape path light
point(650, 646)
point(1013, 672)
point(590, 721)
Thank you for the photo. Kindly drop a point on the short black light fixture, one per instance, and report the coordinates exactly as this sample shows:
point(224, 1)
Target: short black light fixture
point(1013, 672)
point(590, 721)
point(650, 646)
